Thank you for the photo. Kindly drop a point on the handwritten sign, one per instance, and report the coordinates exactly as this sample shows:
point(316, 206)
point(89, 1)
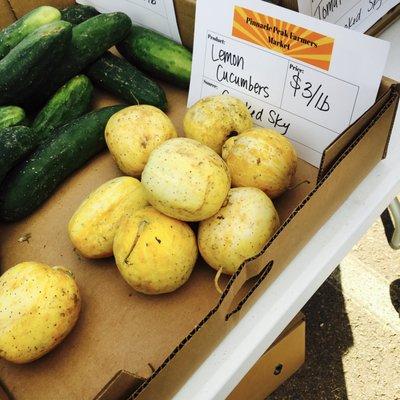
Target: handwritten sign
point(353, 14)
point(158, 15)
point(307, 79)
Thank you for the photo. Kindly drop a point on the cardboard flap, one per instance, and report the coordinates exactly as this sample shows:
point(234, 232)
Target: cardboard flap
point(338, 146)
point(185, 11)
point(291, 4)
point(383, 23)
point(120, 386)
point(7, 16)
point(3, 394)
point(244, 293)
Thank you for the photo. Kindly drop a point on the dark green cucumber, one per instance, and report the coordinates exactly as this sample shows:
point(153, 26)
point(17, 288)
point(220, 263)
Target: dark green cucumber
point(15, 143)
point(11, 116)
point(14, 33)
point(122, 79)
point(157, 55)
point(78, 13)
point(90, 40)
point(36, 178)
point(115, 74)
point(29, 64)
point(70, 102)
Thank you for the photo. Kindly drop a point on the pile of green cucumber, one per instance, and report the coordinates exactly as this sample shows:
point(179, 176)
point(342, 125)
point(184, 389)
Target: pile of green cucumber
point(49, 62)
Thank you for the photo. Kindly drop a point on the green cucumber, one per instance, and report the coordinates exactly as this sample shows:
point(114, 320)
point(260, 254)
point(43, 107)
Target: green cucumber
point(15, 143)
point(157, 55)
point(115, 74)
point(11, 116)
point(78, 13)
point(122, 79)
point(36, 178)
point(90, 40)
point(70, 102)
point(29, 64)
point(14, 33)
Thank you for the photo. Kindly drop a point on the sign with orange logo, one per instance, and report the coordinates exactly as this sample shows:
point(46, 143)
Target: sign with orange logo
point(283, 37)
point(305, 78)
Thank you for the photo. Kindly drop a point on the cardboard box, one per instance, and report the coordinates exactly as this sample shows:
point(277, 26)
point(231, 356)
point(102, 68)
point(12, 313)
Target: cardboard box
point(151, 345)
point(276, 365)
point(185, 11)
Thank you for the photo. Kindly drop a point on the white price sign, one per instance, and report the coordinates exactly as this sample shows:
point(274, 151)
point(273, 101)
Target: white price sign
point(158, 15)
point(307, 79)
point(359, 15)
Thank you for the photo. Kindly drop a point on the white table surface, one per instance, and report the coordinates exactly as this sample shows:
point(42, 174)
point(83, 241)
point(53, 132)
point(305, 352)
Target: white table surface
point(259, 328)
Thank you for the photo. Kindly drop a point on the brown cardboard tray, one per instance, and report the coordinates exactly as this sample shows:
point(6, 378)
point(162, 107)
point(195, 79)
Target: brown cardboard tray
point(151, 345)
point(120, 329)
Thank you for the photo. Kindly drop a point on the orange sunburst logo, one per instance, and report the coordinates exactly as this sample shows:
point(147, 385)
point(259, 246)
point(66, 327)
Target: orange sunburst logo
point(283, 37)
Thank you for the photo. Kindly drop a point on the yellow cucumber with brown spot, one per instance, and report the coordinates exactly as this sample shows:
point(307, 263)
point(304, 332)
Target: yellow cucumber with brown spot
point(39, 305)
